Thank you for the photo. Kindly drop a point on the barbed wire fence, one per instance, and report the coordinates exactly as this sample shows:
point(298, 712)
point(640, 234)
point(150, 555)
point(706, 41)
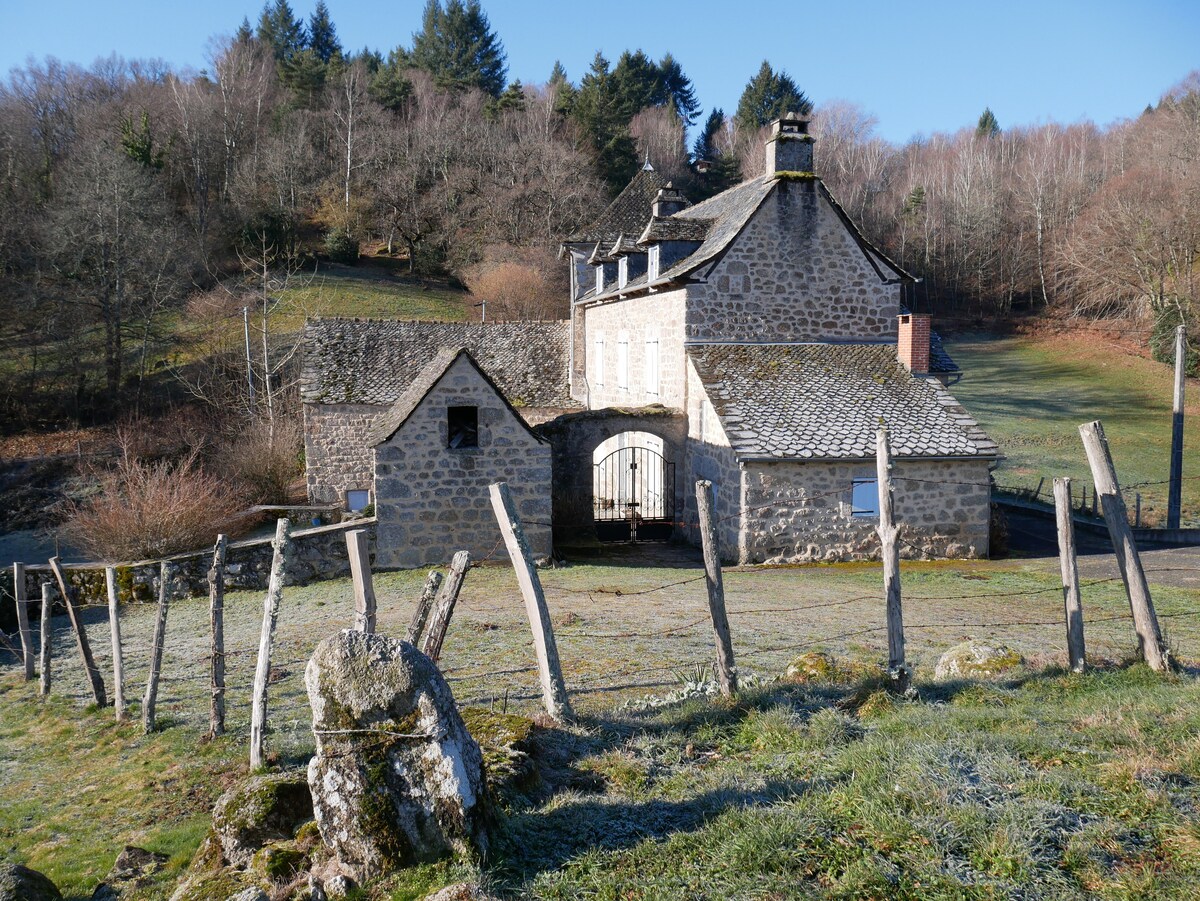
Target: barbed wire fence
point(656, 635)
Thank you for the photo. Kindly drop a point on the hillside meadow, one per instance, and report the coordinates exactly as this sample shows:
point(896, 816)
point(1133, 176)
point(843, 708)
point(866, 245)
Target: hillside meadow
point(1037, 784)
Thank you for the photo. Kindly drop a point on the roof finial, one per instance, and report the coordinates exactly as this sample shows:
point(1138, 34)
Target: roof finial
point(646, 167)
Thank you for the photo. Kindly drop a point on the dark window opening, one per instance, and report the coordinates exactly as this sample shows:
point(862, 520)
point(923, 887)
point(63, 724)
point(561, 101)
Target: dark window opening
point(462, 427)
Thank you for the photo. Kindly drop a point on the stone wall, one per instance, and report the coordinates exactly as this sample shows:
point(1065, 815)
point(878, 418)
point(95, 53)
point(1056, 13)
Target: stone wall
point(794, 274)
point(800, 512)
point(433, 500)
point(709, 456)
point(661, 315)
point(336, 455)
point(314, 554)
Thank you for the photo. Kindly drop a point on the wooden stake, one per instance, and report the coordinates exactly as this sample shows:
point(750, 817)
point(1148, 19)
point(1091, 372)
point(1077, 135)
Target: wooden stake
point(1145, 621)
point(1069, 564)
point(726, 669)
point(890, 553)
point(360, 572)
point(150, 700)
point(554, 689)
point(114, 627)
point(424, 603)
point(23, 619)
point(1175, 491)
point(46, 639)
point(444, 609)
point(81, 639)
point(258, 713)
point(216, 619)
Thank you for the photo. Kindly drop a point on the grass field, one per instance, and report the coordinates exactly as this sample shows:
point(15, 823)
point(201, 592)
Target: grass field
point(1042, 785)
point(1031, 394)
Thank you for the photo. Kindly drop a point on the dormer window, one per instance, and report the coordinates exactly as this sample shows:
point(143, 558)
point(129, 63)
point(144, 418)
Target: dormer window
point(653, 263)
point(623, 272)
point(600, 278)
point(462, 427)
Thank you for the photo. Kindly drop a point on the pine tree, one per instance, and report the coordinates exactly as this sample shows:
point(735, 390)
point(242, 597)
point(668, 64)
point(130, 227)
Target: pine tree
point(280, 30)
point(600, 118)
point(389, 86)
point(705, 147)
point(322, 36)
point(512, 98)
point(679, 88)
point(564, 91)
point(458, 48)
point(637, 83)
point(245, 32)
point(988, 126)
point(768, 95)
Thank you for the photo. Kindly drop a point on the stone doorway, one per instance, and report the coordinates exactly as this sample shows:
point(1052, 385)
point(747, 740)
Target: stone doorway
point(633, 489)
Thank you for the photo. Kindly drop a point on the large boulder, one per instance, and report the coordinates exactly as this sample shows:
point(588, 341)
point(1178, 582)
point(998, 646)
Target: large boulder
point(977, 658)
point(134, 869)
point(397, 779)
point(18, 883)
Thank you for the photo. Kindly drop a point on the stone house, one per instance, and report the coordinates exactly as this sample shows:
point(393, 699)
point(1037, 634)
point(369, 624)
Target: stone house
point(755, 339)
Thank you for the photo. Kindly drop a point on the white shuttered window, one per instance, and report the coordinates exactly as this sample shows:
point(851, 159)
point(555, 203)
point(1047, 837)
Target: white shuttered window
point(623, 360)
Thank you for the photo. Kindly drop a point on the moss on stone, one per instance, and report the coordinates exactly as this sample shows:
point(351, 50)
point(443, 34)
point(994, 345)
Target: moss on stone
point(279, 862)
point(503, 738)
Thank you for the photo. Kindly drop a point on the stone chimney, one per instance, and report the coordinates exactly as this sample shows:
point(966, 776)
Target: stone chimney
point(912, 345)
point(668, 202)
point(790, 146)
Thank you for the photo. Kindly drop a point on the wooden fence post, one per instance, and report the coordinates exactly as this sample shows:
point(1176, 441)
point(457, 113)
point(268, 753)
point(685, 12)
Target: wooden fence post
point(258, 713)
point(81, 639)
point(360, 572)
point(444, 609)
point(889, 534)
point(23, 619)
point(114, 628)
point(150, 700)
point(417, 624)
point(726, 668)
point(1145, 621)
point(46, 639)
point(554, 689)
point(216, 619)
point(1073, 605)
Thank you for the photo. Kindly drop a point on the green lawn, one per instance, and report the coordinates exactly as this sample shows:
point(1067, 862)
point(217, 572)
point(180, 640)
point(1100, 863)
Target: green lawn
point(1041, 785)
point(1032, 393)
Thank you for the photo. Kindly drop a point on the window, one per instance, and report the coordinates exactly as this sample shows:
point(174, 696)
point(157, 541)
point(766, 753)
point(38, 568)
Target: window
point(652, 366)
point(623, 360)
point(598, 365)
point(599, 279)
point(358, 499)
point(652, 263)
point(864, 498)
point(623, 272)
point(462, 427)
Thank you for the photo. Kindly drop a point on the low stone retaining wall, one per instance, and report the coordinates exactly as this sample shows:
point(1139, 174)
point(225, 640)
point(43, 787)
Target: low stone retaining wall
point(314, 554)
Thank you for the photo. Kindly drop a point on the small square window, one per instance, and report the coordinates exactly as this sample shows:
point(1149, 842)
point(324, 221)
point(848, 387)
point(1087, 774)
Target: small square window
point(864, 498)
point(462, 427)
point(358, 499)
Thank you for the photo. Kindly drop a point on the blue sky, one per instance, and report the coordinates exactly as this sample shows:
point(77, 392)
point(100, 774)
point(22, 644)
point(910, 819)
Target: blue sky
point(917, 66)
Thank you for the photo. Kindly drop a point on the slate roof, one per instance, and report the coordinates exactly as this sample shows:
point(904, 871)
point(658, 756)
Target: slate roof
point(826, 401)
point(674, 228)
point(374, 361)
point(627, 214)
point(387, 422)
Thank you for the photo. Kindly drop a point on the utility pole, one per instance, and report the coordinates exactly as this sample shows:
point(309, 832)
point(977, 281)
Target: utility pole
point(1175, 497)
point(249, 365)
point(482, 310)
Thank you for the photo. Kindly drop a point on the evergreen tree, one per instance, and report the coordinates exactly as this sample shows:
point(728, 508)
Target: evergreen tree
point(705, 147)
point(564, 91)
point(768, 95)
point(245, 32)
point(600, 118)
point(988, 126)
point(679, 89)
point(389, 85)
point(637, 83)
point(512, 98)
point(280, 30)
point(304, 73)
point(458, 48)
point(322, 36)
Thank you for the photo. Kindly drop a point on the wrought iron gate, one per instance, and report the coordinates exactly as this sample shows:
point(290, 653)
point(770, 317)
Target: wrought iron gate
point(634, 496)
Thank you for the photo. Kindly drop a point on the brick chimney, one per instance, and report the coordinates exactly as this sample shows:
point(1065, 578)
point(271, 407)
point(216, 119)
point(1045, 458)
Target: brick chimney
point(790, 146)
point(912, 345)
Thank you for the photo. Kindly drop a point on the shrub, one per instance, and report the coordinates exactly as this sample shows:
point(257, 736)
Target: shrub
point(147, 510)
point(340, 246)
point(265, 460)
point(517, 289)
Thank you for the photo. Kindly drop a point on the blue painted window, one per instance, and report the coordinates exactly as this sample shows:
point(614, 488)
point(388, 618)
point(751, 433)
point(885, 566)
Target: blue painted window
point(357, 499)
point(864, 498)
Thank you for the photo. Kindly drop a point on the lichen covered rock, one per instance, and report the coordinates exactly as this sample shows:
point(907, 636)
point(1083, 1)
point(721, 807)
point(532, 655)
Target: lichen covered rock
point(134, 869)
point(18, 883)
point(397, 779)
point(977, 658)
point(259, 810)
